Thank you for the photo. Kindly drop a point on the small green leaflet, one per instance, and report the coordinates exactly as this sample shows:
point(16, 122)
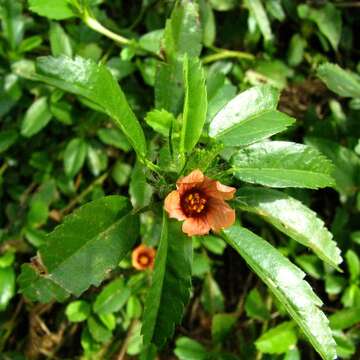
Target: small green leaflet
point(250, 117)
point(285, 280)
point(195, 104)
point(171, 283)
point(80, 252)
point(257, 8)
point(292, 218)
point(55, 9)
point(74, 156)
point(283, 164)
point(340, 81)
point(95, 83)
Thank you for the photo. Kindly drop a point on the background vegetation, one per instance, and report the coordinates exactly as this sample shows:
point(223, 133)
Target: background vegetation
point(58, 152)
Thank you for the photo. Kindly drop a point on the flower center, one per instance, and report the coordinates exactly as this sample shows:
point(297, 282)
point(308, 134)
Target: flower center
point(194, 203)
point(144, 260)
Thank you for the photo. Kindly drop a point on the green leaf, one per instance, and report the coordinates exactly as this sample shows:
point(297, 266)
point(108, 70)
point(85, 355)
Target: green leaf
point(58, 10)
point(98, 331)
point(286, 282)
point(114, 137)
point(36, 117)
point(7, 139)
point(187, 349)
point(342, 82)
point(283, 164)
point(292, 218)
point(195, 104)
point(182, 31)
point(353, 264)
point(82, 250)
point(328, 19)
point(78, 311)
point(257, 8)
point(221, 326)
point(59, 41)
point(250, 117)
point(74, 156)
point(296, 49)
point(212, 298)
point(95, 83)
point(277, 340)
point(207, 19)
point(140, 191)
point(160, 121)
point(7, 286)
point(171, 283)
point(112, 297)
point(347, 163)
point(345, 318)
point(255, 306)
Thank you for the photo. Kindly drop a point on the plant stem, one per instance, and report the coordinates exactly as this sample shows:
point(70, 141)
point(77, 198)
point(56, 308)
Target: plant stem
point(93, 24)
point(226, 54)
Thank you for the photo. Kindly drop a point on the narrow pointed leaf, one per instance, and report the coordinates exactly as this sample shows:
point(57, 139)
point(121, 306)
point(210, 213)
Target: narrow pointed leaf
point(250, 117)
point(285, 280)
point(283, 164)
point(96, 83)
point(91, 241)
point(292, 218)
point(170, 290)
point(195, 104)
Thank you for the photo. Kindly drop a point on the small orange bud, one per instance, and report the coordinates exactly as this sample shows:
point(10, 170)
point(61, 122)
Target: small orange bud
point(143, 257)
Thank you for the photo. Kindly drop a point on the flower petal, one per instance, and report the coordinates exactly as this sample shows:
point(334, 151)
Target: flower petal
point(173, 207)
point(195, 178)
point(216, 189)
point(220, 215)
point(196, 226)
point(143, 251)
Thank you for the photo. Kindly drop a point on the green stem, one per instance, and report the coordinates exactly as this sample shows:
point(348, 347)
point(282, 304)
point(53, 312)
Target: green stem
point(226, 54)
point(3, 168)
point(93, 24)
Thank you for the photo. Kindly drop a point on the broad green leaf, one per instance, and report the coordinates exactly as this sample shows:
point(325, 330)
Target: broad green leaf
point(97, 330)
point(97, 159)
point(250, 117)
point(195, 104)
point(59, 41)
point(186, 349)
point(152, 40)
point(292, 218)
point(12, 22)
point(160, 121)
point(182, 31)
point(353, 264)
point(81, 251)
point(7, 286)
point(207, 20)
point(140, 191)
point(277, 340)
point(7, 139)
point(211, 297)
point(112, 297)
point(255, 306)
point(78, 311)
point(221, 326)
point(36, 117)
point(286, 282)
point(342, 82)
point(170, 289)
point(283, 164)
point(114, 137)
point(74, 156)
point(347, 163)
point(327, 18)
point(223, 5)
point(345, 318)
point(345, 345)
point(58, 10)
point(95, 83)
point(296, 49)
point(36, 287)
point(257, 8)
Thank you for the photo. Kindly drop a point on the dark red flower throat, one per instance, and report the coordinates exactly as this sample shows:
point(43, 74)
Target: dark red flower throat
point(194, 203)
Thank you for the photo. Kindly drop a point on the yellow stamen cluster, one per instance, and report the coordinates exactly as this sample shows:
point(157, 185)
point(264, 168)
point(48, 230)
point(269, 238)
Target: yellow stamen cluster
point(194, 203)
point(144, 260)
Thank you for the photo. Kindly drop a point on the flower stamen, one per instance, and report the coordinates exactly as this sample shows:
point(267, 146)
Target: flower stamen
point(194, 203)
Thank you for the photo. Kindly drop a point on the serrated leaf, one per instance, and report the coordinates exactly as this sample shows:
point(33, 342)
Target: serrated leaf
point(182, 33)
point(36, 117)
point(285, 280)
point(283, 164)
point(342, 82)
point(170, 289)
point(347, 163)
point(95, 83)
point(74, 156)
point(292, 218)
point(59, 9)
point(250, 117)
point(195, 104)
point(81, 251)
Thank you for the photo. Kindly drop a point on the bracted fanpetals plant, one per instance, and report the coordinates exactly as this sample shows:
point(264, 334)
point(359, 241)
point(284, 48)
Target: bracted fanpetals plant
point(207, 152)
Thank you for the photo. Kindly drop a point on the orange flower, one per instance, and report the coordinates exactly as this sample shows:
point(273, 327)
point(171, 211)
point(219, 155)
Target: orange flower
point(199, 201)
point(143, 257)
